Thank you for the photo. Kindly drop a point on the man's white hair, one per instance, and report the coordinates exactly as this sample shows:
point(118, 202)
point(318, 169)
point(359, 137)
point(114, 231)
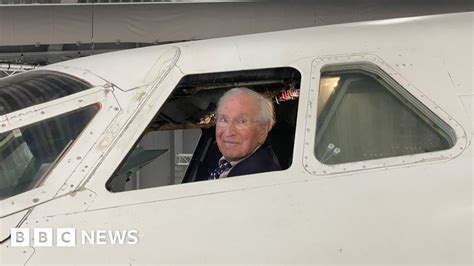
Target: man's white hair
point(267, 112)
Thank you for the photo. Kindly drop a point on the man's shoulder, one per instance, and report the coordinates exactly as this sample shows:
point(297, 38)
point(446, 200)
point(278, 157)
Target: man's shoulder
point(262, 160)
point(265, 154)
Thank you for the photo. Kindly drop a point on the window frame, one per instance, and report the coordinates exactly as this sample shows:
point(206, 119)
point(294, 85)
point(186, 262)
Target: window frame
point(166, 94)
point(65, 167)
point(375, 65)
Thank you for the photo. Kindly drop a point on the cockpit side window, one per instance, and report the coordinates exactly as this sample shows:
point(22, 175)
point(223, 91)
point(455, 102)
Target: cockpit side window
point(35, 87)
point(365, 115)
point(179, 144)
point(27, 154)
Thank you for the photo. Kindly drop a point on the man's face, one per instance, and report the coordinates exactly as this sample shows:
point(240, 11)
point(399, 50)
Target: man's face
point(238, 131)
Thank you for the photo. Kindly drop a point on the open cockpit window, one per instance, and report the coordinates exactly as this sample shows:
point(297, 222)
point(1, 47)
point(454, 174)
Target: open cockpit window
point(179, 143)
point(363, 114)
point(27, 154)
point(31, 88)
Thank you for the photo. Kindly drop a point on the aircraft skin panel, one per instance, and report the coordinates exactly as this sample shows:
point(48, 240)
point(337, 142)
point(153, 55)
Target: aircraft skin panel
point(132, 72)
point(408, 209)
point(397, 39)
point(330, 217)
point(468, 103)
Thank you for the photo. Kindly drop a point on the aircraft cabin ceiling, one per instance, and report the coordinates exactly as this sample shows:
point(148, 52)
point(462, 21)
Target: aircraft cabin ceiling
point(40, 32)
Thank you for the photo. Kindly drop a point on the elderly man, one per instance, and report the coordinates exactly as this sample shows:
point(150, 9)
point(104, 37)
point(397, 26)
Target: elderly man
point(243, 121)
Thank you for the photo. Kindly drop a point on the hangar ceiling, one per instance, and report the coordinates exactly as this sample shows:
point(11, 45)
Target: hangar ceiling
point(40, 32)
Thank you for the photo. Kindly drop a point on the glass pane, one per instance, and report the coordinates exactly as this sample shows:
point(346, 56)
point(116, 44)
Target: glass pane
point(27, 154)
point(361, 118)
point(30, 88)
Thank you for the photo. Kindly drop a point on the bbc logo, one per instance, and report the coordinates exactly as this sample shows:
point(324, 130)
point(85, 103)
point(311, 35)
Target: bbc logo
point(43, 237)
point(66, 237)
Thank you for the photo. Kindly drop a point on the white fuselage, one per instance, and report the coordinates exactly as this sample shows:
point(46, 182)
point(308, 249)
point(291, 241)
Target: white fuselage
point(404, 209)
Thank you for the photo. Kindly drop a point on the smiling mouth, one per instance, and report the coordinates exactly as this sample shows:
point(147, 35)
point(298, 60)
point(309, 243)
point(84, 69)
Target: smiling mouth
point(230, 142)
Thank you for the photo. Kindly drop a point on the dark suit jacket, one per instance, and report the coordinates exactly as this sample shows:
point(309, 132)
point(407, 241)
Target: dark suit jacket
point(262, 160)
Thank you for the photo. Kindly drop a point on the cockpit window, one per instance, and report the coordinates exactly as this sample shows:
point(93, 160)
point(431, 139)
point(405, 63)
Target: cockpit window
point(179, 144)
point(28, 153)
point(35, 87)
point(365, 115)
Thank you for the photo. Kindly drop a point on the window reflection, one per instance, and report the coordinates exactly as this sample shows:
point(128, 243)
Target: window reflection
point(28, 153)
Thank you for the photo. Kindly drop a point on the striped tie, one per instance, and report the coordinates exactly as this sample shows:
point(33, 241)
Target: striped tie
point(224, 165)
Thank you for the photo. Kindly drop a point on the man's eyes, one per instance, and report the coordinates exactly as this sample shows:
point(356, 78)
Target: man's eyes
point(237, 121)
point(222, 119)
point(241, 121)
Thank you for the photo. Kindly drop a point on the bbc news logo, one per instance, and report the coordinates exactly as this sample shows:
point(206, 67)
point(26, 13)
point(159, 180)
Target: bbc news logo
point(68, 237)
